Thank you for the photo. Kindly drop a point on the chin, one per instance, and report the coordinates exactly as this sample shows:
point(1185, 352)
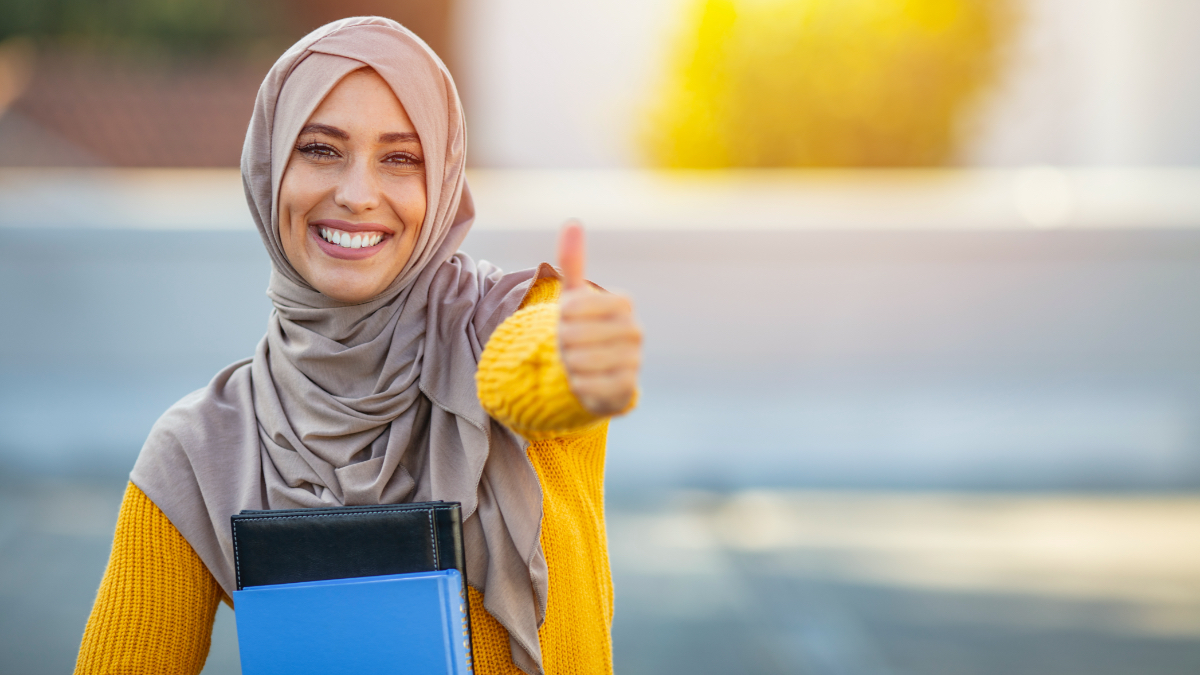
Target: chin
point(350, 291)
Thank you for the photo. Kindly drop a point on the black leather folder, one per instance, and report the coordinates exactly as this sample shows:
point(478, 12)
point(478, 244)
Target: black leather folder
point(292, 545)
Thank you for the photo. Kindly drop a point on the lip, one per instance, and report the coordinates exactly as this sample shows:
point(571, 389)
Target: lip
point(352, 227)
point(342, 253)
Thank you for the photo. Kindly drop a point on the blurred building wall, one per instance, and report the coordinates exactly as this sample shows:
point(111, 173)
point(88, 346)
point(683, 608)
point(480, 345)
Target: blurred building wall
point(1090, 82)
point(565, 85)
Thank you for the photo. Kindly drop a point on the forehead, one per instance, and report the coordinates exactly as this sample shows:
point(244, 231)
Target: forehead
point(362, 101)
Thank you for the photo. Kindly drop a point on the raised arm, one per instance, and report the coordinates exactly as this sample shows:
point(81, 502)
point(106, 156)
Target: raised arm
point(567, 359)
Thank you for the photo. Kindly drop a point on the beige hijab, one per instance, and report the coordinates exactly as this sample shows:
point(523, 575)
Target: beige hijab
point(372, 403)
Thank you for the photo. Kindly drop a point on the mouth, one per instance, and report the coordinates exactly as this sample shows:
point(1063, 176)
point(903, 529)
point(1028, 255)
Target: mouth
point(351, 241)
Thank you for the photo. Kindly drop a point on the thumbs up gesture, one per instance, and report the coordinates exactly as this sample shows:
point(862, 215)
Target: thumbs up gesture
point(600, 343)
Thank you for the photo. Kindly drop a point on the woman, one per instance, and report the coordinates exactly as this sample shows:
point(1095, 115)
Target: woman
point(373, 383)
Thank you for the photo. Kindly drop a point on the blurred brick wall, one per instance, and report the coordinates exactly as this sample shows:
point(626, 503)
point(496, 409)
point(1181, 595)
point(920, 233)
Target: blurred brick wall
point(82, 108)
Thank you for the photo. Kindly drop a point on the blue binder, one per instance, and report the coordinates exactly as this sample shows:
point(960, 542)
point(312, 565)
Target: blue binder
point(400, 623)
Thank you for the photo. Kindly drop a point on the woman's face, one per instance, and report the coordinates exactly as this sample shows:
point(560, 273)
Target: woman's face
point(353, 194)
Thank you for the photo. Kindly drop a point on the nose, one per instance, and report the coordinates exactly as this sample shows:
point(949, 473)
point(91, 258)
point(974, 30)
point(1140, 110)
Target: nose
point(358, 187)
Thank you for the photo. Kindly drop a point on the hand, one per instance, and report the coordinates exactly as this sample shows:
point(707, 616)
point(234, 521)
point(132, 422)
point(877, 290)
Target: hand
point(600, 343)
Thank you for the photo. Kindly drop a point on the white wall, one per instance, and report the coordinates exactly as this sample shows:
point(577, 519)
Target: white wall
point(1098, 82)
point(558, 83)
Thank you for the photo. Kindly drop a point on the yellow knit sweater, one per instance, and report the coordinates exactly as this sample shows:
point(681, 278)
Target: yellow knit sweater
point(155, 608)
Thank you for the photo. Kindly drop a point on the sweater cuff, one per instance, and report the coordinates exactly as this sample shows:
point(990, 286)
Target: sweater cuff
point(522, 381)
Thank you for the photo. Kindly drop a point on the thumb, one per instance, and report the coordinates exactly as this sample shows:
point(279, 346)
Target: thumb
point(571, 254)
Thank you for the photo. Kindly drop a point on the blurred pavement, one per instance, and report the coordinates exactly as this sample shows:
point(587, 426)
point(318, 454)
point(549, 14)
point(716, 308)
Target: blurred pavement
point(827, 583)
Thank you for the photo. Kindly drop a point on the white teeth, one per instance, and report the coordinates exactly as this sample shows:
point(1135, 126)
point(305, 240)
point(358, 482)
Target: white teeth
point(346, 240)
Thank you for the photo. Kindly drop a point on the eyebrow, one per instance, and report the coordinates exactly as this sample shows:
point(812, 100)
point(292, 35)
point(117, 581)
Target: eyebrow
point(325, 129)
point(398, 136)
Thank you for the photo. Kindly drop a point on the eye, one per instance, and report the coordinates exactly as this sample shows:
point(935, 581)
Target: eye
point(402, 159)
point(317, 150)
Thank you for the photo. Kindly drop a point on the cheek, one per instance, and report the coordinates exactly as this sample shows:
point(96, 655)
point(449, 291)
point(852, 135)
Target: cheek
point(412, 204)
point(416, 215)
point(295, 201)
point(297, 194)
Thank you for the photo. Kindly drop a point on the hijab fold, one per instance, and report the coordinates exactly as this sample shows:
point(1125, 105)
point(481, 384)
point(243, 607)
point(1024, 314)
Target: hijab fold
point(371, 403)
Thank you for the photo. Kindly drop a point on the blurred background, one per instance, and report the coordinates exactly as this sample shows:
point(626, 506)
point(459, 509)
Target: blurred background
point(918, 277)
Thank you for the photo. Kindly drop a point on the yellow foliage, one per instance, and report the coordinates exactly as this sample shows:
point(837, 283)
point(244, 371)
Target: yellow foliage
point(774, 83)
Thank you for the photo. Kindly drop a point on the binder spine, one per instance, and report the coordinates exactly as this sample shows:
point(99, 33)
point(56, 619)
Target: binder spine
point(459, 625)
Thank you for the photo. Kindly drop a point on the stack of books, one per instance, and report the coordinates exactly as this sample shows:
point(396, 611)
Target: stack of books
point(362, 589)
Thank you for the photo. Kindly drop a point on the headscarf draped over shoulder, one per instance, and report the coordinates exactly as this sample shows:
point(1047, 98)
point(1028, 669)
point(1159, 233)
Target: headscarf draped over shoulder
point(373, 403)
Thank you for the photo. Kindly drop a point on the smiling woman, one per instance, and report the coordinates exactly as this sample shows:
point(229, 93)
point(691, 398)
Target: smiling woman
point(395, 369)
point(353, 193)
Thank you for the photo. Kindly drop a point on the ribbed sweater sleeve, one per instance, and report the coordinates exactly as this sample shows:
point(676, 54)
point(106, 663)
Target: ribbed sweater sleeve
point(521, 378)
point(155, 607)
